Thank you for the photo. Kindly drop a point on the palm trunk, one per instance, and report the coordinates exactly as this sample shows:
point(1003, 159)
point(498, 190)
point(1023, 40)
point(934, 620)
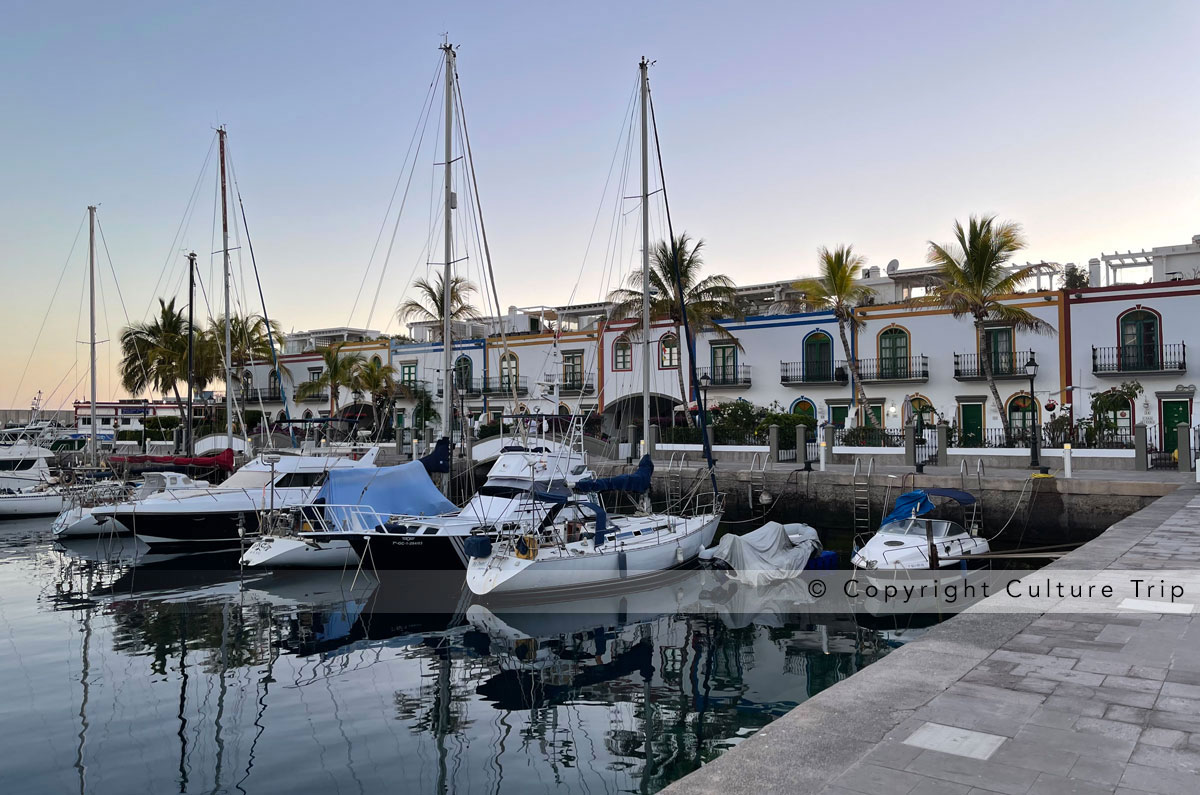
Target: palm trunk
point(852, 363)
point(985, 351)
point(683, 390)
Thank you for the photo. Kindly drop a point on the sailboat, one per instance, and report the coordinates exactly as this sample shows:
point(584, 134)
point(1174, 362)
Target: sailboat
point(577, 546)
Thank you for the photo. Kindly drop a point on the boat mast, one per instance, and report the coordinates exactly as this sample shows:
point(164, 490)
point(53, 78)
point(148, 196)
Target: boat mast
point(448, 268)
point(228, 335)
point(643, 67)
point(189, 446)
point(92, 439)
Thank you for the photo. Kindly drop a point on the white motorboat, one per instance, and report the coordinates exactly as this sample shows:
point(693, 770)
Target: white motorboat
point(907, 543)
point(389, 537)
point(23, 464)
point(79, 520)
point(224, 514)
point(43, 499)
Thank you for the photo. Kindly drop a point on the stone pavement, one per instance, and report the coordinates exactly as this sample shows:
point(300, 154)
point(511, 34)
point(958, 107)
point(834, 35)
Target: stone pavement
point(1008, 703)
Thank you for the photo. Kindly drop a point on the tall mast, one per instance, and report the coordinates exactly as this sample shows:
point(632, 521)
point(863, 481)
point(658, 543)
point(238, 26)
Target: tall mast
point(228, 335)
point(189, 447)
point(643, 67)
point(92, 439)
point(448, 269)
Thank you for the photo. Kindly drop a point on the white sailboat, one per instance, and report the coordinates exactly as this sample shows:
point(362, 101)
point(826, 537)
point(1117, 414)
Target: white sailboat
point(578, 547)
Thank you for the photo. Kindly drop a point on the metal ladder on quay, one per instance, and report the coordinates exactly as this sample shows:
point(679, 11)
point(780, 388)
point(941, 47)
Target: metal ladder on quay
point(862, 497)
point(758, 483)
point(675, 481)
point(975, 521)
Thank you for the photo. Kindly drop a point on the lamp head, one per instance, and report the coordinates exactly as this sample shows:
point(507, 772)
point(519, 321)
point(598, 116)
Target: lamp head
point(705, 380)
point(1031, 366)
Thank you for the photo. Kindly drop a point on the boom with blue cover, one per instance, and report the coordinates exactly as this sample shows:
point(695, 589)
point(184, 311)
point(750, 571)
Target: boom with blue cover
point(637, 481)
point(404, 490)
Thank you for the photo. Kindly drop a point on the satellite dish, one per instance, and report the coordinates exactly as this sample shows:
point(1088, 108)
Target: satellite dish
point(893, 266)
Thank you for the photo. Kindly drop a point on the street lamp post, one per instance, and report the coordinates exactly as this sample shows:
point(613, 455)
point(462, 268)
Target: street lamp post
point(705, 383)
point(1031, 368)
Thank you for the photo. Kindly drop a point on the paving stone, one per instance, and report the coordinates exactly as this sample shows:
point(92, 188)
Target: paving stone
point(1160, 781)
point(985, 774)
point(1181, 690)
point(1109, 728)
point(1183, 676)
point(1061, 675)
point(1132, 683)
point(1163, 738)
point(1107, 772)
point(1078, 742)
point(1188, 706)
point(1102, 667)
point(1125, 714)
point(1075, 705)
point(1151, 672)
point(936, 786)
point(1169, 758)
point(891, 753)
point(1048, 784)
point(1033, 756)
point(1046, 716)
point(875, 780)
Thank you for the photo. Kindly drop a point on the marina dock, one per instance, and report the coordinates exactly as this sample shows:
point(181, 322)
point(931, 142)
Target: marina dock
point(1011, 703)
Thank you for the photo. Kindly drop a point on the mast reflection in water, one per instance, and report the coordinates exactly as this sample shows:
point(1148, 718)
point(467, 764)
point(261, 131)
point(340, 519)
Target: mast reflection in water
point(180, 674)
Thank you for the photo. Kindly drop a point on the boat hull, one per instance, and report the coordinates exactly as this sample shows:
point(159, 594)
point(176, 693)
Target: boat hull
point(39, 503)
point(274, 552)
point(188, 530)
point(383, 552)
point(506, 574)
point(80, 522)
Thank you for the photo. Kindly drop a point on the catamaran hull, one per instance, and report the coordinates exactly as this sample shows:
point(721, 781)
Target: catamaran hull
point(273, 552)
point(40, 503)
point(503, 574)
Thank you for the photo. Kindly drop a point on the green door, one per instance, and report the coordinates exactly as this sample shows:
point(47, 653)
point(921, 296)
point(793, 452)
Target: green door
point(818, 359)
point(837, 415)
point(877, 411)
point(971, 416)
point(1001, 340)
point(1173, 413)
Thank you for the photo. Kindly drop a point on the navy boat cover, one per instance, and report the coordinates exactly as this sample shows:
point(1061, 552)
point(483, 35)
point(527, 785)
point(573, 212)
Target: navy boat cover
point(637, 481)
point(916, 503)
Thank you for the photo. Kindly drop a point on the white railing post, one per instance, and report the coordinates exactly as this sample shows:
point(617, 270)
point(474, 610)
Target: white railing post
point(1066, 448)
point(822, 449)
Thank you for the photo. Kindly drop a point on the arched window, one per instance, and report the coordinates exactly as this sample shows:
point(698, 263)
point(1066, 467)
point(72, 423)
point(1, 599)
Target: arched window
point(463, 369)
point(622, 354)
point(375, 360)
point(308, 414)
point(818, 357)
point(564, 410)
point(1140, 340)
point(804, 407)
point(893, 353)
point(919, 412)
point(509, 370)
point(668, 352)
point(281, 416)
point(1022, 413)
point(273, 384)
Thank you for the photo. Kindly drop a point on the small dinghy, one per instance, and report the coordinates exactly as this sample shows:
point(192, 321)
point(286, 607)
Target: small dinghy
point(772, 552)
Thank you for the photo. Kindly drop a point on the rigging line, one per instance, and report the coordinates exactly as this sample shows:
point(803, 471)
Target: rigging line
point(287, 412)
point(383, 222)
point(184, 223)
point(487, 252)
point(701, 408)
point(37, 338)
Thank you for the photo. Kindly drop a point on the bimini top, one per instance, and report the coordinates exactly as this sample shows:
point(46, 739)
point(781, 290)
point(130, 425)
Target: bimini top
point(917, 503)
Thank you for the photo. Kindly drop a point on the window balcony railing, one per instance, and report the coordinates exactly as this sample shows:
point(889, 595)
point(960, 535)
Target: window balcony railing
point(733, 375)
point(814, 371)
point(1120, 359)
point(470, 387)
point(1005, 364)
point(503, 385)
point(267, 394)
point(896, 368)
point(573, 383)
point(314, 397)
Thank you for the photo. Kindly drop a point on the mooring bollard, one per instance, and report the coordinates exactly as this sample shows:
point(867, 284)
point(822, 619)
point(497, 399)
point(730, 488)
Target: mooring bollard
point(1066, 460)
point(822, 453)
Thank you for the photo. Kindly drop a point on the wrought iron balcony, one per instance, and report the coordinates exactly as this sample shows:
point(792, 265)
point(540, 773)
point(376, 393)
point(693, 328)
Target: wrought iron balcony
point(314, 397)
point(573, 384)
point(726, 377)
point(267, 394)
point(1005, 364)
point(468, 387)
point(894, 368)
point(1146, 359)
point(814, 371)
point(503, 385)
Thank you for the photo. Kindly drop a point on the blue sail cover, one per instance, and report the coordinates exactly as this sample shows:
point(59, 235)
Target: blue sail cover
point(405, 489)
point(637, 481)
point(914, 503)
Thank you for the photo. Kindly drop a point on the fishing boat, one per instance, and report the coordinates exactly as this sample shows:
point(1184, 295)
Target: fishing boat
point(577, 546)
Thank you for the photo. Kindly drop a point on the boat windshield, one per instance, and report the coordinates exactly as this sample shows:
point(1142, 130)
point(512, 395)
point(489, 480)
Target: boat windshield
point(916, 527)
point(248, 479)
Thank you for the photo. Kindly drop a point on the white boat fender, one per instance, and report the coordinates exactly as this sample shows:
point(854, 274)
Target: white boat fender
point(678, 554)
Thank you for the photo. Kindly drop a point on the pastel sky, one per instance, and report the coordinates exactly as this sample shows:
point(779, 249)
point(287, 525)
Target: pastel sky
point(786, 126)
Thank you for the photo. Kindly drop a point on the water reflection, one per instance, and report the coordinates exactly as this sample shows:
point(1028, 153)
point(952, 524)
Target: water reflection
point(190, 676)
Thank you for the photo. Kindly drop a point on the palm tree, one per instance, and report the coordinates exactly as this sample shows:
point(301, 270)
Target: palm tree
point(427, 307)
point(340, 371)
point(379, 381)
point(974, 278)
point(707, 300)
point(154, 354)
point(838, 290)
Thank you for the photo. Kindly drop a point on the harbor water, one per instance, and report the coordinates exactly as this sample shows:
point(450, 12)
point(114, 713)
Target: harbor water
point(130, 672)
